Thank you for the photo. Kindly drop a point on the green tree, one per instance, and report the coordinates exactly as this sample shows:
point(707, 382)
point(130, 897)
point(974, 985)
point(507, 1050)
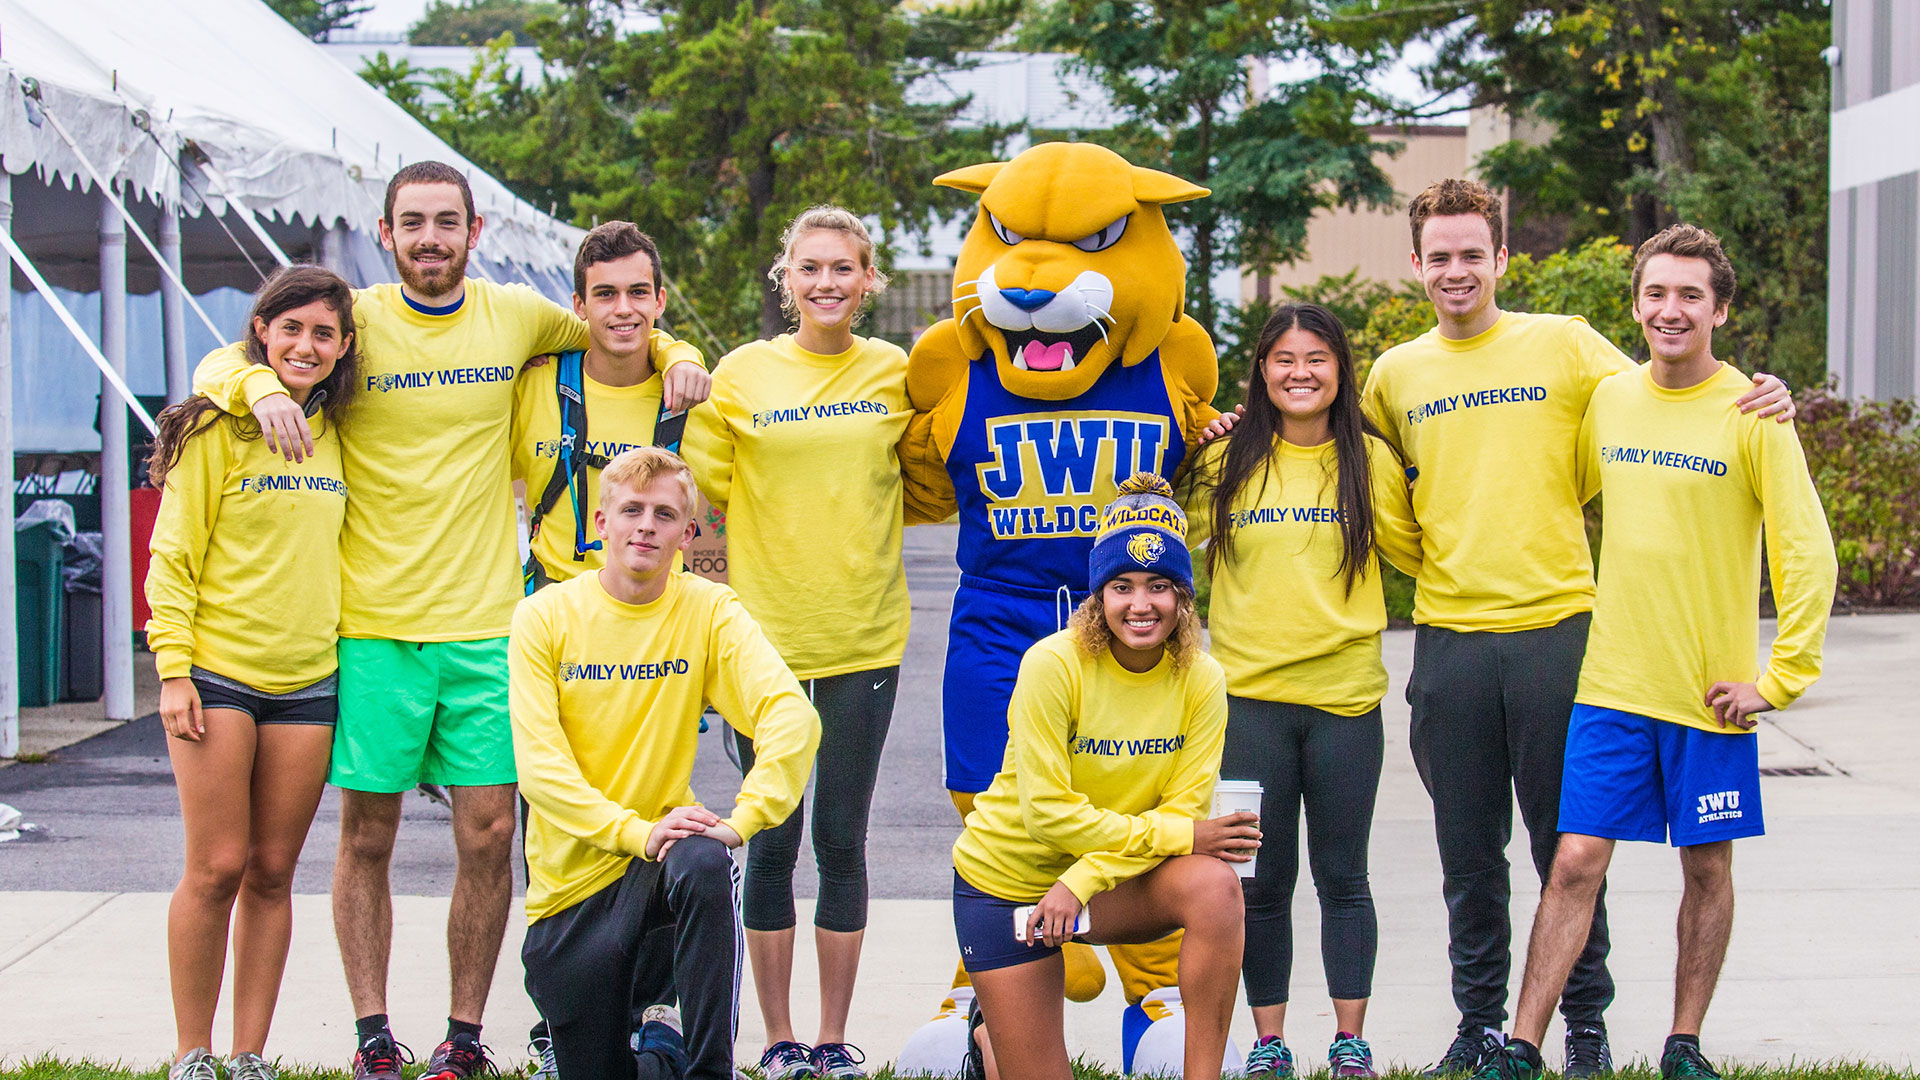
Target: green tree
point(715, 129)
point(1180, 71)
point(319, 18)
point(475, 22)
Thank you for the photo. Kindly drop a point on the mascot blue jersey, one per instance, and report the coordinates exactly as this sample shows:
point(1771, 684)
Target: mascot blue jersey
point(1031, 476)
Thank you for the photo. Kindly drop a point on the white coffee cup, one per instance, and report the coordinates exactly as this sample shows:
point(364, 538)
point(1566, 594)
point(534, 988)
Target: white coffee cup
point(1231, 797)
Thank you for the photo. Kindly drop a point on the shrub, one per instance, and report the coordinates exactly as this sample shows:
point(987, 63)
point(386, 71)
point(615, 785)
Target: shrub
point(1865, 459)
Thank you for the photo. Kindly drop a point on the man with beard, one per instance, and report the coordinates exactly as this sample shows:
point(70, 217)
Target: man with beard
point(430, 576)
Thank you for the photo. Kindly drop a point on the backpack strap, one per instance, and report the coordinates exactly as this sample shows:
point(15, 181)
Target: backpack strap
point(568, 466)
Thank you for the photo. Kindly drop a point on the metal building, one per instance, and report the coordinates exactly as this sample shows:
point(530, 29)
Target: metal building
point(1873, 275)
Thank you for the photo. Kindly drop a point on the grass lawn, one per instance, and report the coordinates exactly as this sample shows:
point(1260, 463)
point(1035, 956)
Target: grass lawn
point(54, 1069)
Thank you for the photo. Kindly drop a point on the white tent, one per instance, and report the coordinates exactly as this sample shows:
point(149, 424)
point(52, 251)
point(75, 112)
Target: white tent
point(233, 142)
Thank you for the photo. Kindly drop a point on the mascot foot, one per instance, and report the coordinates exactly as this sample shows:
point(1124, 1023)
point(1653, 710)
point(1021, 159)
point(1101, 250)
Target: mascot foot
point(939, 1048)
point(1153, 1037)
point(1086, 978)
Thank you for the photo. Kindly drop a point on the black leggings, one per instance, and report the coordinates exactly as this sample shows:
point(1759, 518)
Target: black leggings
point(1332, 762)
point(855, 710)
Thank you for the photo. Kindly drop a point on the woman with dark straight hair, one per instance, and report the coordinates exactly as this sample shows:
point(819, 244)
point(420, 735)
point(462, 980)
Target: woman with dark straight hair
point(1292, 508)
point(244, 585)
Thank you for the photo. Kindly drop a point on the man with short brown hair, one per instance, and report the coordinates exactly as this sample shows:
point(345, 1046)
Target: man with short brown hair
point(1486, 409)
point(429, 582)
point(1660, 745)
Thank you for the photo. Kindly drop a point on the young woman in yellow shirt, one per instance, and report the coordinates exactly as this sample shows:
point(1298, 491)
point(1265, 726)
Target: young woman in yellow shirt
point(244, 585)
point(796, 446)
point(1100, 808)
point(1295, 503)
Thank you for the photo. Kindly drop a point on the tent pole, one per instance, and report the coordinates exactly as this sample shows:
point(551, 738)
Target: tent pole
point(9, 641)
point(116, 577)
point(173, 302)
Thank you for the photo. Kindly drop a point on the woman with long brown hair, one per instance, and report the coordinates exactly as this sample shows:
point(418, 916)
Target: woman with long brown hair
point(244, 585)
point(1295, 504)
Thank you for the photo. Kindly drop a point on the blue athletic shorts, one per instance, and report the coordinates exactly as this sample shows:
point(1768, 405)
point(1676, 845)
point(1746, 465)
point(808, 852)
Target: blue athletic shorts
point(993, 626)
point(1631, 777)
point(984, 925)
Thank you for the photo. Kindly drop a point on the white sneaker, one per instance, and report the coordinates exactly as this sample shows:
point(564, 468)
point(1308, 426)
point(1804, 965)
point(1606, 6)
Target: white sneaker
point(197, 1064)
point(250, 1067)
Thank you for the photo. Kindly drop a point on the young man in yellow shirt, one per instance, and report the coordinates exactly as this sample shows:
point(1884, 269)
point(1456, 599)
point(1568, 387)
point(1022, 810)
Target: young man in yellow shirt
point(609, 674)
point(617, 289)
point(429, 579)
point(1661, 744)
point(1485, 409)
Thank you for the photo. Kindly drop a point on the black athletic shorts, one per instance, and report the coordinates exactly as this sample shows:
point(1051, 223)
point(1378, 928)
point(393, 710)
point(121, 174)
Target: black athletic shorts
point(315, 704)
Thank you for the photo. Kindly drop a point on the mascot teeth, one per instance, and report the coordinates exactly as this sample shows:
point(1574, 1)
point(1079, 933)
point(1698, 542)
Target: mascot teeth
point(1037, 356)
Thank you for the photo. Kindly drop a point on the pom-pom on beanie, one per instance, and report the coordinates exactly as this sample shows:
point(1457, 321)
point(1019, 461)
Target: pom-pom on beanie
point(1142, 529)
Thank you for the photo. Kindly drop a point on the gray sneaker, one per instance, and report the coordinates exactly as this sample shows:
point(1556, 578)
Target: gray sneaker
point(250, 1067)
point(196, 1065)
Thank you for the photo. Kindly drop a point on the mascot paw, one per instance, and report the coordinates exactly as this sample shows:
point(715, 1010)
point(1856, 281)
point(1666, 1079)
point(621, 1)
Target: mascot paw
point(1153, 1037)
point(939, 1048)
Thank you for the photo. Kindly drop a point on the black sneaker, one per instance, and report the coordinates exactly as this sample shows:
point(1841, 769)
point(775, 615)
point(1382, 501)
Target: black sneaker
point(1510, 1062)
point(1470, 1049)
point(1684, 1061)
point(379, 1058)
point(457, 1059)
point(1587, 1051)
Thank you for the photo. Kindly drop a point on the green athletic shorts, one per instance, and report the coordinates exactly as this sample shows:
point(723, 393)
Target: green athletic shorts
point(422, 712)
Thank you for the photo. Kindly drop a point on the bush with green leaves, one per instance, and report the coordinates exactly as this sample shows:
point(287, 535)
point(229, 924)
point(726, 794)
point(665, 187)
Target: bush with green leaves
point(1865, 459)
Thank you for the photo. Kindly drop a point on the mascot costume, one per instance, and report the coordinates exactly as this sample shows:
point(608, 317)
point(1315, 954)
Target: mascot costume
point(1068, 366)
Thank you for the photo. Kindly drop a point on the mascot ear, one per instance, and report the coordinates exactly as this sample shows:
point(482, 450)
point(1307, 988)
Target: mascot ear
point(1154, 186)
point(974, 178)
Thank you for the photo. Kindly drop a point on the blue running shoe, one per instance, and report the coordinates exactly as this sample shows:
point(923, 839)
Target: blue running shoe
point(1269, 1060)
point(787, 1061)
point(838, 1061)
point(1350, 1056)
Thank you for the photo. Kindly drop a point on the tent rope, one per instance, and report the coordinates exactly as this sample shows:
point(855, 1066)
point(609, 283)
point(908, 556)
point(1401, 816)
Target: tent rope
point(73, 327)
point(113, 197)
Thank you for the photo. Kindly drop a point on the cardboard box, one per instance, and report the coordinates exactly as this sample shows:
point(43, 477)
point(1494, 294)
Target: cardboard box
point(707, 556)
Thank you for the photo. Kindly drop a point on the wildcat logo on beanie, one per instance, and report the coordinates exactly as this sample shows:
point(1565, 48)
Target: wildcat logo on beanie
point(1142, 529)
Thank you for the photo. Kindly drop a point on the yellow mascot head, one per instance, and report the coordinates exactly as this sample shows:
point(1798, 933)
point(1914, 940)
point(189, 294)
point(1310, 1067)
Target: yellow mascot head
point(1068, 267)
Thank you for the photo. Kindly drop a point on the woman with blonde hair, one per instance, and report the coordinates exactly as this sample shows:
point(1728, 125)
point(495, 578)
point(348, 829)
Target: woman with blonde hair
point(796, 446)
point(244, 585)
point(1096, 827)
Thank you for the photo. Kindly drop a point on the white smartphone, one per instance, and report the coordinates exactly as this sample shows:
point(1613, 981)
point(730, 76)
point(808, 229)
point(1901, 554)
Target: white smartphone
point(1024, 913)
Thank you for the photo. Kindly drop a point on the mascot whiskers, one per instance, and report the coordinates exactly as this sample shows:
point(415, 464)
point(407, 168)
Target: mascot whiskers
point(1069, 364)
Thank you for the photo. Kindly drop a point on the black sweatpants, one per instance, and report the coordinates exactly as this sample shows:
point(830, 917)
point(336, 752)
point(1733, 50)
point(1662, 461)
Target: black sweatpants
point(586, 964)
point(855, 711)
point(1332, 764)
point(1490, 714)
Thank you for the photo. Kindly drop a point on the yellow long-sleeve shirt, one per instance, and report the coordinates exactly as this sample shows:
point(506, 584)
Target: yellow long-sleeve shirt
point(430, 550)
point(606, 700)
point(1690, 483)
point(618, 418)
point(245, 575)
point(798, 450)
point(1106, 771)
point(1488, 424)
point(1282, 622)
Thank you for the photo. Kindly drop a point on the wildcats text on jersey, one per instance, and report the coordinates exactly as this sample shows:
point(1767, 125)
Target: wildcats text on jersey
point(1050, 474)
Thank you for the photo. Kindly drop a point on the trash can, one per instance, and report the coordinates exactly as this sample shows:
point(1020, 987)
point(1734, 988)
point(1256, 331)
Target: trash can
point(40, 609)
point(84, 667)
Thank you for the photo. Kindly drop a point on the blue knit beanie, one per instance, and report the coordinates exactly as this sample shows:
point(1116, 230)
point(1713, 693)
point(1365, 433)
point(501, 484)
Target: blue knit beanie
point(1142, 529)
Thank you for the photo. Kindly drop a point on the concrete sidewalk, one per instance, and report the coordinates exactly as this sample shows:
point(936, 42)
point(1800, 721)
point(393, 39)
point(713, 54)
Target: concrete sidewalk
point(1825, 961)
